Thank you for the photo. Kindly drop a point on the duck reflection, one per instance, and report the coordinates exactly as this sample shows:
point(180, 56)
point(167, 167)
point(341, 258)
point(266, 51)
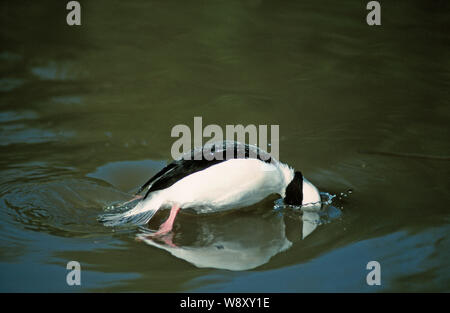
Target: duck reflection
point(237, 241)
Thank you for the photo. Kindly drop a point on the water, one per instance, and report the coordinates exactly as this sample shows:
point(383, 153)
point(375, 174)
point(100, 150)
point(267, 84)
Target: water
point(86, 114)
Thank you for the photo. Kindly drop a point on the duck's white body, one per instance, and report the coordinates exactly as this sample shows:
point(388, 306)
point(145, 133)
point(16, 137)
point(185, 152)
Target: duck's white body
point(229, 184)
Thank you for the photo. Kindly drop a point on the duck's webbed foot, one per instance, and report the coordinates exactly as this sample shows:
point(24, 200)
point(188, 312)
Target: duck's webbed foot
point(167, 226)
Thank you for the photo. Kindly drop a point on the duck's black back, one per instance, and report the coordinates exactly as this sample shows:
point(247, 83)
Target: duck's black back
point(200, 159)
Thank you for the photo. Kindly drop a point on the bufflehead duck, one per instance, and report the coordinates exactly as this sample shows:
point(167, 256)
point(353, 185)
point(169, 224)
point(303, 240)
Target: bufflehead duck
point(217, 177)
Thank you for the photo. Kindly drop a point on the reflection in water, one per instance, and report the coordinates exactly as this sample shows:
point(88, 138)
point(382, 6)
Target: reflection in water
point(235, 242)
point(232, 243)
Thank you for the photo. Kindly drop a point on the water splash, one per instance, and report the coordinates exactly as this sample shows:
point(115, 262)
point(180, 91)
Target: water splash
point(314, 214)
point(325, 199)
point(120, 206)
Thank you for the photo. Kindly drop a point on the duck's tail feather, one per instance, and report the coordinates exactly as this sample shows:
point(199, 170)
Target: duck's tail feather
point(139, 215)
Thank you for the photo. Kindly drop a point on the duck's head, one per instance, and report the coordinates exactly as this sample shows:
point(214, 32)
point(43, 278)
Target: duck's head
point(302, 192)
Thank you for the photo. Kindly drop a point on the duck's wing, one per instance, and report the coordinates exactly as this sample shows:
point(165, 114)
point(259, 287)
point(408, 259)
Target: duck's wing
point(162, 172)
point(176, 171)
point(200, 159)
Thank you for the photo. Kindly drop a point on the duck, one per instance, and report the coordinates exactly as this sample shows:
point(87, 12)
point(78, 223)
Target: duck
point(214, 178)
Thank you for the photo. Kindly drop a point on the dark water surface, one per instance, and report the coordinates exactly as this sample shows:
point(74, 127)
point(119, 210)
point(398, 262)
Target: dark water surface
point(86, 114)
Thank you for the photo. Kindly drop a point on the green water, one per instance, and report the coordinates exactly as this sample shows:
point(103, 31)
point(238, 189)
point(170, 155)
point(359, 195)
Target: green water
point(86, 114)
